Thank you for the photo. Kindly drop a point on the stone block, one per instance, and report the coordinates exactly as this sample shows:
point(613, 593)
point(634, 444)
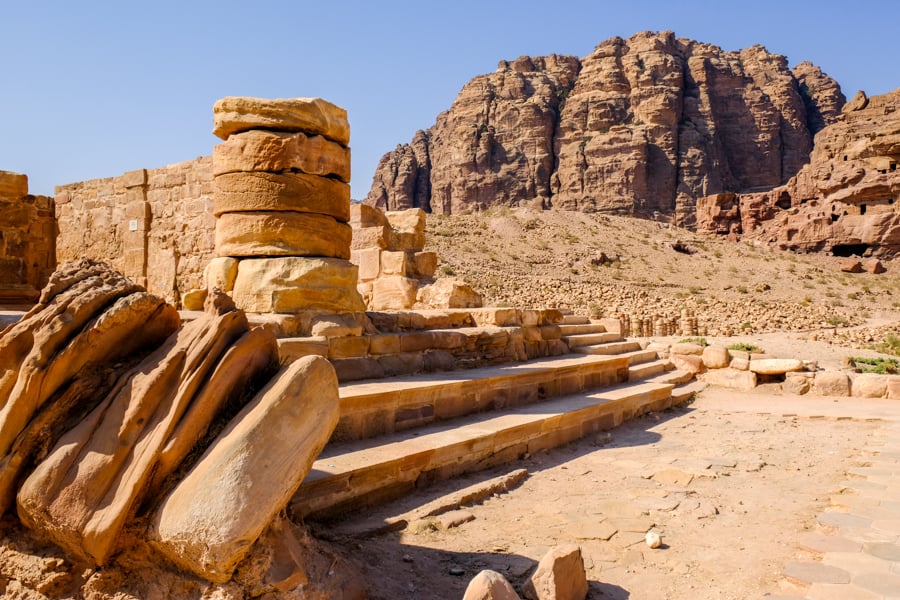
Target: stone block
point(797, 383)
point(13, 185)
point(354, 369)
point(220, 273)
point(560, 575)
point(348, 347)
point(893, 387)
point(416, 341)
point(448, 293)
point(775, 366)
point(425, 264)
point(364, 215)
point(741, 364)
point(831, 383)
point(490, 585)
point(405, 363)
point(394, 293)
point(370, 237)
point(290, 349)
point(242, 192)
point(276, 152)
point(408, 229)
point(193, 299)
point(337, 324)
point(396, 263)
point(869, 385)
point(281, 233)
point(690, 363)
point(369, 262)
point(292, 284)
point(314, 116)
point(730, 378)
point(386, 343)
point(715, 357)
point(686, 348)
point(136, 178)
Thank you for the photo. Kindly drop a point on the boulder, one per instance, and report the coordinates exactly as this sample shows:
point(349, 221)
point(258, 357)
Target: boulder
point(797, 383)
point(850, 265)
point(210, 521)
point(775, 366)
point(292, 284)
point(730, 378)
point(559, 576)
point(874, 266)
point(490, 585)
point(449, 292)
point(313, 116)
point(281, 233)
point(690, 363)
point(220, 273)
point(82, 493)
point(715, 357)
point(831, 383)
point(243, 192)
point(741, 364)
point(277, 152)
point(893, 387)
point(686, 348)
point(869, 385)
point(394, 292)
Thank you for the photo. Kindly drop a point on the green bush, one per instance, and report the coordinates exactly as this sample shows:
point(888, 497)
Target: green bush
point(746, 347)
point(694, 340)
point(881, 366)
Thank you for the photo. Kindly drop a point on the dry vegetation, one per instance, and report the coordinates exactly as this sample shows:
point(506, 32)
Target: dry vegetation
point(521, 257)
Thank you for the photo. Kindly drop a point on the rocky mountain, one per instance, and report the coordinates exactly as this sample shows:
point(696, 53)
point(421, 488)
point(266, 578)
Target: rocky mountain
point(640, 126)
point(844, 201)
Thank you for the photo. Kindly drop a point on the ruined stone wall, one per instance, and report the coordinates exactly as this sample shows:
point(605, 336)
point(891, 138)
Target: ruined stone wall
point(27, 236)
point(155, 225)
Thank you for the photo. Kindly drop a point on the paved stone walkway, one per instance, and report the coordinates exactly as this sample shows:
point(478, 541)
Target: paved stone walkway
point(855, 554)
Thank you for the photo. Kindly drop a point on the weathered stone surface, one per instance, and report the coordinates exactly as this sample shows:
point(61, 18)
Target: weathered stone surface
point(81, 494)
point(797, 383)
point(220, 273)
point(641, 125)
point(282, 233)
point(869, 385)
point(775, 366)
point(730, 378)
point(275, 152)
point(831, 383)
point(874, 267)
point(408, 229)
point(394, 292)
point(686, 348)
point(715, 357)
point(559, 576)
point(211, 519)
point(241, 192)
point(490, 585)
point(850, 265)
point(448, 292)
point(292, 284)
point(690, 363)
point(13, 185)
point(314, 116)
point(893, 387)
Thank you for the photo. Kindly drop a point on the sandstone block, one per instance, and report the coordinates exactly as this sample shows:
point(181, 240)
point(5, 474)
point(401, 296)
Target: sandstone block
point(290, 349)
point(448, 293)
point(220, 273)
point(850, 265)
point(275, 152)
point(211, 519)
point(409, 229)
point(348, 347)
point(831, 383)
point(490, 585)
point(425, 264)
point(292, 284)
point(687, 362)
point(394, 292)
point(363, 215)
point(797, 383)
point(869, 385)
point(281, 233)
point(741, 364)
point(338, 325)
point(686, 348)
point(775, 366)
point(370, 237)
point(874, 266)
point(193, 299)
point(560, 575)
point(243, 192)
point(395, 263)
point(13, 185)
point(314, 116)
point(369, 262)
point(730, 378)
point(715, 357)
point(893, 387)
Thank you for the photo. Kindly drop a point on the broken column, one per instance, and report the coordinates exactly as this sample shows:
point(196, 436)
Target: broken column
point(282, 206)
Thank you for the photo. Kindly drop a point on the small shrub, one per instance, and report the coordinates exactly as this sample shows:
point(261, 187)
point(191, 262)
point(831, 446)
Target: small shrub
point(448, 270)
point(741, 289)
point(890, 345)
point(694, 340)
point(882, 366)
point(746, 347)
point(837, 321)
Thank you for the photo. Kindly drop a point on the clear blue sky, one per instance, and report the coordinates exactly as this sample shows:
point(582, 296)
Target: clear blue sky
point(93, 89)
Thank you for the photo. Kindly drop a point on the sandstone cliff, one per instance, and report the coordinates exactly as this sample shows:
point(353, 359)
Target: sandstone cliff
point(843, 201)
point(640, 126)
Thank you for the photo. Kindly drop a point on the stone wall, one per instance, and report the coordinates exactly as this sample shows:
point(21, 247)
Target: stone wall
point(154, 225)
point(27, 237)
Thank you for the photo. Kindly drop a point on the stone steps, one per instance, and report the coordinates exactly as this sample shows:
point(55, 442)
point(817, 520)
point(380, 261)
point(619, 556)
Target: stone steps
point(608, 348)
point(591, 338)
point(683, 392)
point(567, 330)
point(356, 474)
point(636, 357)
point(644, 370)
point(675, 376)
point(569, 319)
point(376, 407)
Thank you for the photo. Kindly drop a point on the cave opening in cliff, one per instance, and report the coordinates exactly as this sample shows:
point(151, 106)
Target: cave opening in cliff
point(862, 209)
point(847, 250)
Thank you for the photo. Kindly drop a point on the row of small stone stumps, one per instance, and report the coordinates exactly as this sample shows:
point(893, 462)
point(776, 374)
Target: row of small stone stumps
point(636, 325)
point(282, 206)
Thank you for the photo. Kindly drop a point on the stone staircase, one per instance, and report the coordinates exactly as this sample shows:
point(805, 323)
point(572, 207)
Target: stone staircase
point(400, 432)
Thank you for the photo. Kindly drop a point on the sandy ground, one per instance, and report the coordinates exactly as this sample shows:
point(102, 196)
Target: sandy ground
point(731, 482)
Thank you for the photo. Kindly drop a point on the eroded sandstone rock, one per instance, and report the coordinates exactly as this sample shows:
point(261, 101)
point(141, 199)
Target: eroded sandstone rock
point(559, 576)
point(251, 191)
point(281, 233)
point(211, 519)
point(275, 152)
point(234, 114)
point(490, 585)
